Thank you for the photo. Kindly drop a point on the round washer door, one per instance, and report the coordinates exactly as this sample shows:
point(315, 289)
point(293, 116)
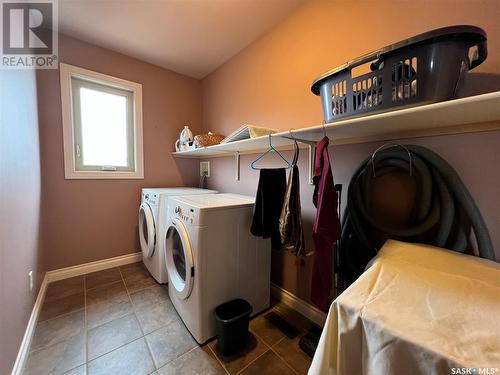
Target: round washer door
point(179, 259)
point(147, 230)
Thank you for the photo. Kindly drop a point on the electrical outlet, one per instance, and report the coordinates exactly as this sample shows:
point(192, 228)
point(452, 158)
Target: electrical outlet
point(205, 168)
point(30, 280)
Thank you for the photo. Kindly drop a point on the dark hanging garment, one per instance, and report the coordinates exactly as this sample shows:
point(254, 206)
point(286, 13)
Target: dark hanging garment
point(290, 223)
point(326, 229)
point(268, 203)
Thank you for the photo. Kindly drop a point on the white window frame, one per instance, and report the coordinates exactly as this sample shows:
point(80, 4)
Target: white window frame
point(67, 72)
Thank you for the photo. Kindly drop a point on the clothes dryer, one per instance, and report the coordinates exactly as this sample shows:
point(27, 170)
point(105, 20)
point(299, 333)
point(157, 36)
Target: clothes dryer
point(152, 203)
point(212, 258)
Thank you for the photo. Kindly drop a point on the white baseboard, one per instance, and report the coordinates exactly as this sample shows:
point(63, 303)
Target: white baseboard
point(22, 355)
point(82, 269)
point(60, 274)
point(309, 311)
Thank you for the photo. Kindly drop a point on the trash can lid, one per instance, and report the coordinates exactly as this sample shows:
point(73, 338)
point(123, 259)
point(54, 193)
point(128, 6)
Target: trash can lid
point(233, 310)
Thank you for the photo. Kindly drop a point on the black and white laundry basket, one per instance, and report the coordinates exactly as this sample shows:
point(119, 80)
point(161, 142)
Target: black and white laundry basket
point(427, 68)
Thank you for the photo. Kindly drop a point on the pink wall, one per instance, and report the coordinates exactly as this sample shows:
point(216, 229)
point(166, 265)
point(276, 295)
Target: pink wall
point(88, 220)
point(268, 84)
point(20, 250)
point(470, 154)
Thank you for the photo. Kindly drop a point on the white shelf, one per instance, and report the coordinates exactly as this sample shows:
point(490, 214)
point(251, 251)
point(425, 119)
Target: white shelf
point(471, 114)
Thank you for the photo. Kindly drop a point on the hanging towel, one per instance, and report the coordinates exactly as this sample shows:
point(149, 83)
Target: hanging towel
point(268, 203)
point(326, 229)
point(290, 223)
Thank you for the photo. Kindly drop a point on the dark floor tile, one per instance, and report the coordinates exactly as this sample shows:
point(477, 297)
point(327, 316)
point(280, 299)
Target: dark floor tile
point(64, 288)
point(266, 330)
point(106, 292)
point(55, 307)
point(103, 312)
point(291, 353)
point(149, 296)
point(137, 277)
point(206, 348)
point(138, 283)
point(133, 358)
point(196, 361)
point(58, 358)
point(268, 364)
point(112, 335)
point(169, 342)
point(103, 277)
point(132, 269)
point(233, 364)
point(114, 332)
point(156, 316)
point(58, 329)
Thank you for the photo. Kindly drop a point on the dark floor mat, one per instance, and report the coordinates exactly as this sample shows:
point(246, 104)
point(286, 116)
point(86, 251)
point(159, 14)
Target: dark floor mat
point(309, 342)
point(279, 322)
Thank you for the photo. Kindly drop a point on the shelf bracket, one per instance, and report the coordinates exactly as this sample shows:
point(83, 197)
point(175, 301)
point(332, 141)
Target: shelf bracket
point(311, 153)
point(237, 165)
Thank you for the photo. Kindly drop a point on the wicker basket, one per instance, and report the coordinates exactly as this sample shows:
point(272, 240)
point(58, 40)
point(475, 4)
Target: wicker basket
point(204, 140)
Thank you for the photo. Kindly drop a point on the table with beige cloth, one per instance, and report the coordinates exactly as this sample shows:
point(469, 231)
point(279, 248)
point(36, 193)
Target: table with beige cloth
point(416, 310)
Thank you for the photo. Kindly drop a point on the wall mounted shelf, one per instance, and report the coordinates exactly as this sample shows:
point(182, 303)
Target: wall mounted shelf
point(465, 115)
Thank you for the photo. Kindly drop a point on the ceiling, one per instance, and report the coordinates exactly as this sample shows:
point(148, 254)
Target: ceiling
point(192, 37)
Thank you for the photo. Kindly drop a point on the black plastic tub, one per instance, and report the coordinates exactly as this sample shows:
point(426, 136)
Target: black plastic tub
point(231, 324)
point(424, 69)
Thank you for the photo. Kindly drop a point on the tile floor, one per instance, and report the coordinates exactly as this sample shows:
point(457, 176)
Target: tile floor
point(120, 321)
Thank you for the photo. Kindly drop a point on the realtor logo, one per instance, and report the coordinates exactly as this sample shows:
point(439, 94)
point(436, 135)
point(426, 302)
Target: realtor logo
point(29, 34)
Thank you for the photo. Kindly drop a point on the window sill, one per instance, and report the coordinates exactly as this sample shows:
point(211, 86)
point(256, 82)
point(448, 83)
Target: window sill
point(105, 175)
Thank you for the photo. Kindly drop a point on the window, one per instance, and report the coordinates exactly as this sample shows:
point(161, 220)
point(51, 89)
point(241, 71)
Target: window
point(102, 124)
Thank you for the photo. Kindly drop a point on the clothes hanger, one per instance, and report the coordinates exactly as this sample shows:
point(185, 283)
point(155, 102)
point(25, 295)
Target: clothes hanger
point(271, 149)
point(296, 148)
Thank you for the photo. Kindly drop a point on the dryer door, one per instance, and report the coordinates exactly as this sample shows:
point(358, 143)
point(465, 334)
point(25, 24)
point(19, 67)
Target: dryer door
point(147, 230)
point(179, 259)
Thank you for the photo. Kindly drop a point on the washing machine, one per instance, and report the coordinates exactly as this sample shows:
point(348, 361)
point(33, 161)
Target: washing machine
point(211, 258)
point(153, 201)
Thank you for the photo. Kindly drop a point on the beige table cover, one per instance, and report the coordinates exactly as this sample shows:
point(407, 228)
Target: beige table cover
point(416, 310)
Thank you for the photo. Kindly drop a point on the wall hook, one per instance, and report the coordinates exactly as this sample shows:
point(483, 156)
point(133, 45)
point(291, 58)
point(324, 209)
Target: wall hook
point(390, 145)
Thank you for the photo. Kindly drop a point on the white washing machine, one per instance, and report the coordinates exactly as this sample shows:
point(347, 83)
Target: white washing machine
point(153, 201)
point(212, 258)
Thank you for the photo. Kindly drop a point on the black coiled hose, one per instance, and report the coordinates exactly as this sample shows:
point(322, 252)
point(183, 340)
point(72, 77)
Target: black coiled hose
point(444, 213)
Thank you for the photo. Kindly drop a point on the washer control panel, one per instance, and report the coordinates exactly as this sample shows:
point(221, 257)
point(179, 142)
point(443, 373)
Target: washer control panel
point(184, 214)
point(150, 198)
